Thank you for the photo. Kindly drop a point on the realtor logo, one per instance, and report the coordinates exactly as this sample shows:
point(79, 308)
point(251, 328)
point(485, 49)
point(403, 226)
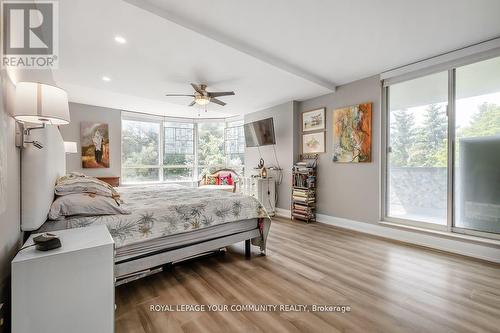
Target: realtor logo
point(30, 34)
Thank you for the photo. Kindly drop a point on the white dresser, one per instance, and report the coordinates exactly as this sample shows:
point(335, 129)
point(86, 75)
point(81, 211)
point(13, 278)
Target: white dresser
point(69, 289)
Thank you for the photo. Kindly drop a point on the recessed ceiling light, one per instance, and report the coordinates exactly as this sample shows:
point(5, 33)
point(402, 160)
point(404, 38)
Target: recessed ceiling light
point(106, 78)
point(120, 40)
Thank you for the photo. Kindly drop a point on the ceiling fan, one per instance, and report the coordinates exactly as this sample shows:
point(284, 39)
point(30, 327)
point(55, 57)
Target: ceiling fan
point(203, 97)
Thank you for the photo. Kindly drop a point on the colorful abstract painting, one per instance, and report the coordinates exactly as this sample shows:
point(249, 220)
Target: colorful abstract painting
point(95, 145)
point(352, 134)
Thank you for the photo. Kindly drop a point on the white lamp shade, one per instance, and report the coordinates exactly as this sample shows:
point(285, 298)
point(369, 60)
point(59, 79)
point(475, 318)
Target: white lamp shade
point(41, 103)
point(70, 147)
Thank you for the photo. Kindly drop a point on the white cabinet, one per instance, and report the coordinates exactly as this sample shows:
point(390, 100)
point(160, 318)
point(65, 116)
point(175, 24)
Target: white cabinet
point(264, 189)
point(69, 289)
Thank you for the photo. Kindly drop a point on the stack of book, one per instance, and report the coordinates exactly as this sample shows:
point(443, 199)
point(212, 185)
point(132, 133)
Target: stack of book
point(304, 190)
point(303, 195)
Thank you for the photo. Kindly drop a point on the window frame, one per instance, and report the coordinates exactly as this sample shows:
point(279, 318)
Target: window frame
point(386, 83)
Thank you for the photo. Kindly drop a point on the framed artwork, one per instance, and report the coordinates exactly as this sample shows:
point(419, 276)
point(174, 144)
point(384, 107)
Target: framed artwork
point(94, 141)
point(352, 134)
point(313, 143)
point(313, 120)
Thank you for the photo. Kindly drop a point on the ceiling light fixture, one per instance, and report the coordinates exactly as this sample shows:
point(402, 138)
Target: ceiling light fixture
point(106, 78)
point(202, 100)
point(120, 40)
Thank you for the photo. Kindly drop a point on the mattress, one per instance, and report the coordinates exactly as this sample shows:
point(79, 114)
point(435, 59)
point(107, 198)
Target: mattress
point(182, 239)
point(164, 216)
point(167, 242)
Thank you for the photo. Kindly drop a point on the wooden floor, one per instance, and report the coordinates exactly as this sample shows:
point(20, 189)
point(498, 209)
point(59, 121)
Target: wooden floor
point(390, 287)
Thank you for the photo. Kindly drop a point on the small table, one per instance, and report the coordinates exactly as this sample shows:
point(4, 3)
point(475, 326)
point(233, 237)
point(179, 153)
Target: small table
point(113, 181)
point(69, 289)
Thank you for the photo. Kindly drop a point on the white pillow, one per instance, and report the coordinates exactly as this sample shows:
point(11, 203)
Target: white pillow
point(84, 204)
point(79, 183)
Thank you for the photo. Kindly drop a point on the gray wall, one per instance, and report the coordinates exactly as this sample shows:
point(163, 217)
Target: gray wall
point(71, 132)
point(10, 219)
point(349, 190)
point(284, 122)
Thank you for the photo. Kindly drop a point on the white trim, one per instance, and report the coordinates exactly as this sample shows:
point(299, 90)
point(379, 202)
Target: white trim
point(283, 212)
point(458, 246)
point(459, 57)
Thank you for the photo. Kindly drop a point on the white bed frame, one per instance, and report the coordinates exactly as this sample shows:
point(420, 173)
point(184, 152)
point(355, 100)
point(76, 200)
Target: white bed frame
point(131, 266)
point(40, 170)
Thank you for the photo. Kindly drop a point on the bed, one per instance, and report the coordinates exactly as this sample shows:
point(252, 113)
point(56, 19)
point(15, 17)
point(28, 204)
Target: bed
point(168, 223)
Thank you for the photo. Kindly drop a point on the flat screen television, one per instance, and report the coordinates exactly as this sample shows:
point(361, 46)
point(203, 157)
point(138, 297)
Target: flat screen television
point(260, 133)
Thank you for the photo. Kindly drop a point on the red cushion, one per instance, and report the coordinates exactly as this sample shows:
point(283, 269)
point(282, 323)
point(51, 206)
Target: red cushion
point(225, 178)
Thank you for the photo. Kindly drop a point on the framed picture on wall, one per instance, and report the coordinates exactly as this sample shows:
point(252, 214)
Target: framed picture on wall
point(94, 138)
point(313, 143)
point(313, 120)
point(352, 134)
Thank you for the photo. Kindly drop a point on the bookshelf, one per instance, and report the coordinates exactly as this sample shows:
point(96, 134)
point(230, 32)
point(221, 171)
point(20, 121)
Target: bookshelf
point(304, 182)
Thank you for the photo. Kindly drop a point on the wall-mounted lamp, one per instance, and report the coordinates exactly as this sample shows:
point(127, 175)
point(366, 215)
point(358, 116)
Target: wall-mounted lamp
point(70, 147)
point(38, 103)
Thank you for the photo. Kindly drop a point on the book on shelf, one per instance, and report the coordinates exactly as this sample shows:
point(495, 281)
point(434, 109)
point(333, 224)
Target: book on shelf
point(304, 189)
point(309, 201)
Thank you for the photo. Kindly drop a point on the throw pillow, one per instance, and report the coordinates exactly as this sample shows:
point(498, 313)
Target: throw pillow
point(211, 180)
point(226, 179)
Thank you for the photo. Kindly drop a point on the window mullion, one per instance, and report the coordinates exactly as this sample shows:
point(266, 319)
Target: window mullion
point(195, 152)
point(160, 150)
point(451, 148)
point(384, 149)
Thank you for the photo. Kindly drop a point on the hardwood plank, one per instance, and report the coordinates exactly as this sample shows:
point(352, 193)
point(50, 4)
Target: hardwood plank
point(391, 287)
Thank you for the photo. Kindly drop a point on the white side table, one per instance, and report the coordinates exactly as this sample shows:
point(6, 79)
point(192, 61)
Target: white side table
point(69, 289)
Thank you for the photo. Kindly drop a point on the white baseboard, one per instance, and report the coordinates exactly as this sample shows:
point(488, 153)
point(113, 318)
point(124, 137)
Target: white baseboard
point(458, 246)
point(283, 212)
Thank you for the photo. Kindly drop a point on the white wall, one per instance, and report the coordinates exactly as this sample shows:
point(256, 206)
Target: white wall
point(71, 132)
point(10, 219)
point(284, 121)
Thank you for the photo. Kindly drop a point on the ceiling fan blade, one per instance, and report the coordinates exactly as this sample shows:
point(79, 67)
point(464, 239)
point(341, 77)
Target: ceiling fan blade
point(220, 93)
point(192, 103)
point(217, 101)
point(198, 89)
point(170, 95)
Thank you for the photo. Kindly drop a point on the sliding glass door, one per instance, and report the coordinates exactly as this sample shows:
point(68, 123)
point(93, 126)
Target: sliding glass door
point(477, 147)
point(442, 156)
point(417, 154)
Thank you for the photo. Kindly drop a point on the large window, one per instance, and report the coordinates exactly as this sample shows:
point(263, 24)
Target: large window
point(162, 150)
point(140, 151)
point(442, 160)
point(234, 146)
point(417, 158)
point(178, 155)
point(477, 147)
point(210, 146)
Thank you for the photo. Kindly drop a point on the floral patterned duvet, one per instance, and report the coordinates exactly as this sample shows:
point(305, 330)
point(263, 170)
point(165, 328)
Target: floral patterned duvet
point(166, 209)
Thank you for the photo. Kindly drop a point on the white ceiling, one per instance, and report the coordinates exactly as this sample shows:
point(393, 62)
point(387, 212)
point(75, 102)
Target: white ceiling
point(268, 52)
